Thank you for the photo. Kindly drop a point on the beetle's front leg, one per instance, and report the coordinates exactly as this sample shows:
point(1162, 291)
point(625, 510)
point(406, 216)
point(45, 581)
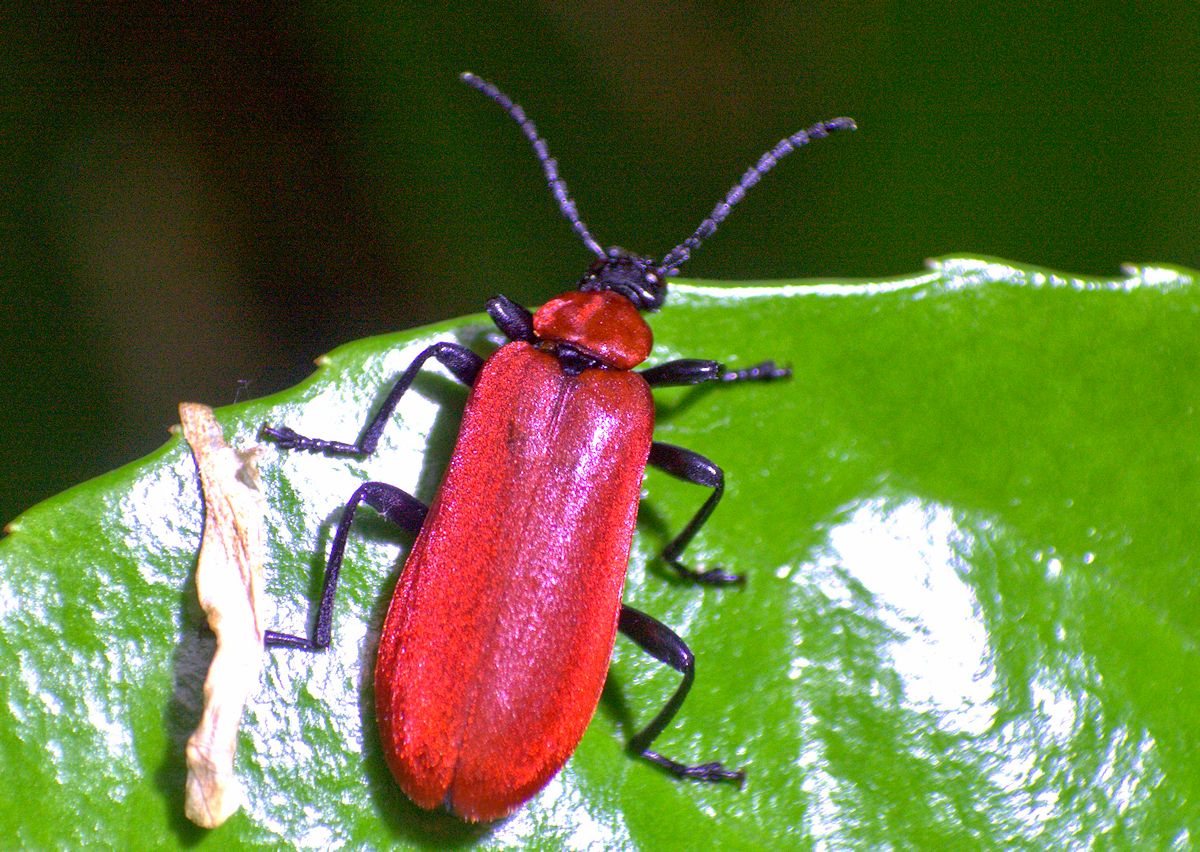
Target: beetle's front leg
point(660, 642)
point(692, 371)
point(459, 360)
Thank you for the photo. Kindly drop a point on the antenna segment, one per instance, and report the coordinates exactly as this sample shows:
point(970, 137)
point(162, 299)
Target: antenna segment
point(558, 187)
point(678, 256)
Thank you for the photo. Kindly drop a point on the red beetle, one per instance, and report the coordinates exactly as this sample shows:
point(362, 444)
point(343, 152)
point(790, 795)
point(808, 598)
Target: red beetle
point(498, 638)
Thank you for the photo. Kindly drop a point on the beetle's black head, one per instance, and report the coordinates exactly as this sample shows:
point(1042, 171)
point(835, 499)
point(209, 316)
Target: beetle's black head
point(638, 279)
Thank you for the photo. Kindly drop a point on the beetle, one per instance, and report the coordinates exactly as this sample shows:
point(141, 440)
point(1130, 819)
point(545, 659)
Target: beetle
point(497, 641)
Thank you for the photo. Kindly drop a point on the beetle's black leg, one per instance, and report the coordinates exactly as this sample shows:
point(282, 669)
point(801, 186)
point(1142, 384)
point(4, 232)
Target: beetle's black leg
point(763, 371)
point(459, 360)
point(660, 642)
point(512, 319)
point(691, 371)
point(695, 468)
point(686, 371)
point(399, 507)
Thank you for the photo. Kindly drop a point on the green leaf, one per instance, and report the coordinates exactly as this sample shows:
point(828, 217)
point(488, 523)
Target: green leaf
point(972, 616)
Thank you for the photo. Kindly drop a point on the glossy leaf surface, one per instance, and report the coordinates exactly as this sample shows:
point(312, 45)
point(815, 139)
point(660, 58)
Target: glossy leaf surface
point(972, 616)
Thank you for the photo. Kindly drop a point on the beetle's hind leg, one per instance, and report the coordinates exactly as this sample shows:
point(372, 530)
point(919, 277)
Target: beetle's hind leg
point(459, 360)
point(395, 504)
point(664, 645)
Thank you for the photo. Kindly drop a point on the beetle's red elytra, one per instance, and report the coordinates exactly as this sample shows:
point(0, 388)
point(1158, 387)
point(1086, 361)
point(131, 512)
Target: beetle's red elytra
point(482, 730)
point(498, 637)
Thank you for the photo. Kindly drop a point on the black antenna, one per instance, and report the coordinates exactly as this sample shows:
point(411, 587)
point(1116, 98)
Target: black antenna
point(677, 256)
point(558, 186)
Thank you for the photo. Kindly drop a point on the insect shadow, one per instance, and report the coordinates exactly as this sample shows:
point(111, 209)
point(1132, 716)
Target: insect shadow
point(189, 666)
point(665, 411)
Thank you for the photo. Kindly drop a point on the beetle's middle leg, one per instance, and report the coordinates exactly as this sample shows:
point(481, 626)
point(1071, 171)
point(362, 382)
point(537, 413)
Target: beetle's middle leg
point(693, 467)
point(395, 504)
point(696, 469)
point(660, 642)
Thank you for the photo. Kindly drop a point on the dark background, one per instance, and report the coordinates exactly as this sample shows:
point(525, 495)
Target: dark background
point(194, 199)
